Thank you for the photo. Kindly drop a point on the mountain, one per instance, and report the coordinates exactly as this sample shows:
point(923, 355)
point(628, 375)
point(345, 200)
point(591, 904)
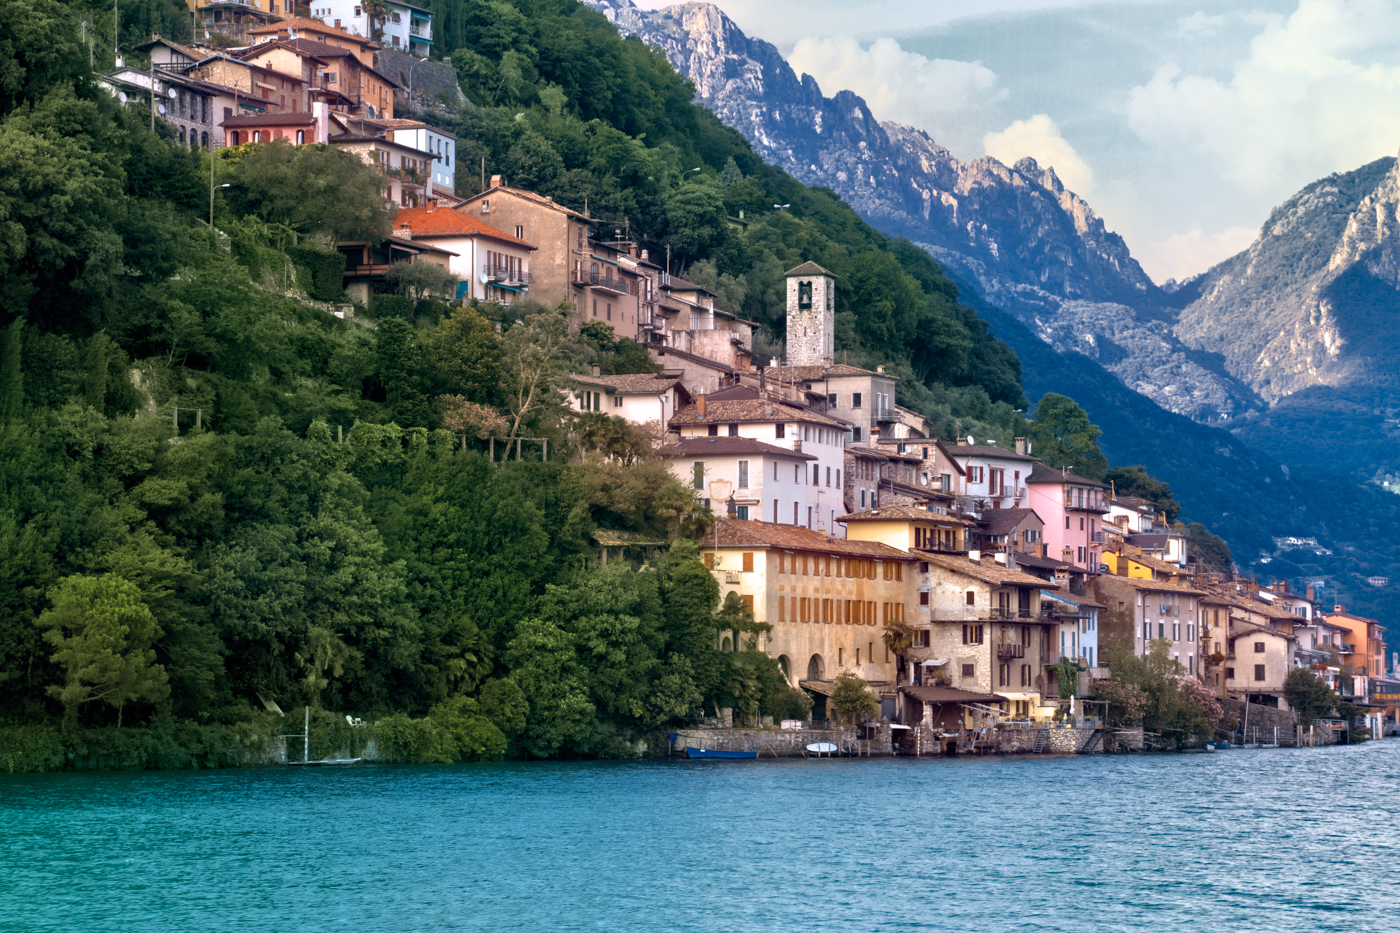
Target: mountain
point(1039, 265)
point(1023, 240)
point(1307, 317)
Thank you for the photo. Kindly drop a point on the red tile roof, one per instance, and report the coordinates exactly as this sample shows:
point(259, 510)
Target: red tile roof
point(445, 221)
point(270, 119)
point(750, 410)
point(310, 25)
point(729, 446)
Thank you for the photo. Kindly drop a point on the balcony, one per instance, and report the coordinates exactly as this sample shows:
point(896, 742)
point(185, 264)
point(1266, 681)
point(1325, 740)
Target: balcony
point(606, 282)
point(1096, 537)
point(1097, 506)
point(511, 275)
point(1006, 652)
point(888, 415)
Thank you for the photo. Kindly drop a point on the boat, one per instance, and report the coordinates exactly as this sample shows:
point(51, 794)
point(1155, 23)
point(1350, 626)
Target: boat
point(1218, 746)
point(822, 748)
point(692, 752)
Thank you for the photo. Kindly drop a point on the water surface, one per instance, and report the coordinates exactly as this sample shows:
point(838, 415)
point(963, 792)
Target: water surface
point(1272, 840)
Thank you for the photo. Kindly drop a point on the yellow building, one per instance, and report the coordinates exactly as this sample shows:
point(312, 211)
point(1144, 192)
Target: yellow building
point(907, 528)
point(827, 599)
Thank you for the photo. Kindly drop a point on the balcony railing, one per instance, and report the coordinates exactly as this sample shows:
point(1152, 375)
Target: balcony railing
point(994, 614)
point(888, 414)
point(607, 282)
point(511, 274)
point(1005, 652)
point(1096, 537)
point(420, 32)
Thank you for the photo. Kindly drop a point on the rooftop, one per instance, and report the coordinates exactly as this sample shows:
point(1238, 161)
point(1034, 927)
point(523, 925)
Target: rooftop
point(808, 268)
point(749, 410)
point(530, 196)
point(1046, 474)
point(729, 446)
point(950, 695)
point(446, 221)
point(1004, 521)
point(303, 118)
point(989, 450)
point(1043, 563)
point(986, 570)
point(1155, 586)
point(818, 373)
point(903, 513)
point(733, 533)
point(632, 384)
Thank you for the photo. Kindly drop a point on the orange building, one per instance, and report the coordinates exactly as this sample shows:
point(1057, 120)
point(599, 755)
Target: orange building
point(1363, 647)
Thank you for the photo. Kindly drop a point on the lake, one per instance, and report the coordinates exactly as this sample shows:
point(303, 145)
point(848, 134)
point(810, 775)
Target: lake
point(1267, 840)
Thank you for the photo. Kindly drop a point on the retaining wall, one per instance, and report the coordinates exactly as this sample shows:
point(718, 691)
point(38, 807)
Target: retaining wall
point(782, 743)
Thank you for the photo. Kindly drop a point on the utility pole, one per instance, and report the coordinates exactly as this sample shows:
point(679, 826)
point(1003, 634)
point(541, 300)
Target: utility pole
point(151, 70)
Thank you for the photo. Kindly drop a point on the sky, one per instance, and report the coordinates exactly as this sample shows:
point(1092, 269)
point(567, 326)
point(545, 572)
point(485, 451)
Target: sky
point(1181, 123)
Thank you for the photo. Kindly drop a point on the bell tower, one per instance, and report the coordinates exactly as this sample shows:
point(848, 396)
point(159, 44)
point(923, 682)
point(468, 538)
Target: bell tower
point(811, 315)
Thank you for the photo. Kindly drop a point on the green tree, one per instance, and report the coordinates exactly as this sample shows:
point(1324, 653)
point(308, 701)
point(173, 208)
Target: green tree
point(537, 354)
point(103, 634)
point(464, 353)
point(1063, 437)
point(1212, 554)
point(314, 189)
point(851, 699)
point(1136, 481)
point(1308, 695)
point(401, 372)
point(419, 280)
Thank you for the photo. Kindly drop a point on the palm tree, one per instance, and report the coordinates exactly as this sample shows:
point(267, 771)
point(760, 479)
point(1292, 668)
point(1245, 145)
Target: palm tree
point(377, 12)
point(898, 638)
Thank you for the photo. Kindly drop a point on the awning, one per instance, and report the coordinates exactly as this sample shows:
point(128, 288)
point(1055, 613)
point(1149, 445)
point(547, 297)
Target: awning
point(1034, 697)
point(950, 695)
point(934, 662)
point(895, 725)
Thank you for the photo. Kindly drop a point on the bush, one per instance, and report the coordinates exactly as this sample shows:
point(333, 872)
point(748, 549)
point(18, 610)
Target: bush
point(327, 269)
point(386, 306)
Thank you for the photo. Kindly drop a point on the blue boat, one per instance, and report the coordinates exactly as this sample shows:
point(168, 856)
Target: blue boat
point(716, 753)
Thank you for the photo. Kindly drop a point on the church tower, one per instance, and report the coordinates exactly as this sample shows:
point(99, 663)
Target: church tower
point(811, 315)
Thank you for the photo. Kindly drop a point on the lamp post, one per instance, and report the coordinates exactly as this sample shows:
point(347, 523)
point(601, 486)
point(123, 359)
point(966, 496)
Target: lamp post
point(410, 79)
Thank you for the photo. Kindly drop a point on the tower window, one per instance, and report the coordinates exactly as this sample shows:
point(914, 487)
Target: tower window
point(804, 296)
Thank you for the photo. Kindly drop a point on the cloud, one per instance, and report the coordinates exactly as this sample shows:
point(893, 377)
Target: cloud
point(901, 86)
point(1198, 24)
point(1182, 255)
point(1040, 139)
point(1319, 92)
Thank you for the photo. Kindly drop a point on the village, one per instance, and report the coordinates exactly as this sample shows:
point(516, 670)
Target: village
point(979, 592)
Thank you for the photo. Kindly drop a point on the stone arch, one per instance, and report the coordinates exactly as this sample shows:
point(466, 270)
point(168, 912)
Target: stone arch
point(725, 644)
point(816, 668)
point(785, 663)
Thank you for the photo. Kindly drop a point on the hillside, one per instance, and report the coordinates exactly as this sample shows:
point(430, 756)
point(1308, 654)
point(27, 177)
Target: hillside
point(1014, 233)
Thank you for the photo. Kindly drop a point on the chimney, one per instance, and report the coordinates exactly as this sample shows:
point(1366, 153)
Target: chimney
point(498, 181)
point(1021, 446)
point(321, 112)
point(975, 556)
point(432, 205)
point(879, 369)
point(1310, 591)
point(597, 370)
point(700, 404)
point(1011, 560)
point(645, 257)
point(1000, 558)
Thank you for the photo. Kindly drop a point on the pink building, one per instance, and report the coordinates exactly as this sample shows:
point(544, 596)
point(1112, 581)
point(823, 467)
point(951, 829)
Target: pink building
point(1071, 507)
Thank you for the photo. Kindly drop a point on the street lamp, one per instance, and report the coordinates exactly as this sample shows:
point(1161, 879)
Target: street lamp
point(410, 79)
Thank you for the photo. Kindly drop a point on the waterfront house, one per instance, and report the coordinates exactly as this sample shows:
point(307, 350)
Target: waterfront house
point(1137, 612)
point(1256, 664)
point(911, 528)
point(827, 599)
point(1079, 625)
point(1362, 649)
point(984, 631)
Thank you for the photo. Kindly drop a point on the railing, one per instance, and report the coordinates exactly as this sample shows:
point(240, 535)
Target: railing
point(888, 414)
point(1002, 492)
point(420, 32)
point(599, 280)
point(509, 274)
point(1096, 537)
point(1011, 651)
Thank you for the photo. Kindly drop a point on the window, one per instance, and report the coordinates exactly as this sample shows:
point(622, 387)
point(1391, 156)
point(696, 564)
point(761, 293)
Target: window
point(301, 137)
point(855, 435)
point(782, 608)
point(698, 473)
point(1066, 523)
point(519, 232)
point(742, 513)
point(1258, 672)
point(969, 670)
point(838, 478)
point(816, 475)
point(617, 401)
point(1161, 630)
point(780, 431)
point(831, 401)
point(923, 598)
point(1003, 675)
point(743, 474)
point(733, 430)
point(748, 562)
point(972, 633)
point(828, 476)
point(1229, 673)
point(971, 598)
point(1258, 647)
point(1176, 631)
point(855, 400)
point(712, 430)
point(775, 473)
point(862, 497)
point(804, 296)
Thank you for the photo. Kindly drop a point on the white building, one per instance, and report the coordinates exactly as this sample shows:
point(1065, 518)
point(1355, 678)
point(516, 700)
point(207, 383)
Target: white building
point(1079, 624)
point(757, 472)
point(405, 27)
point(490, 264)
point(440, 143)
point(812, 492)
point(994, 477)
point(644, 398)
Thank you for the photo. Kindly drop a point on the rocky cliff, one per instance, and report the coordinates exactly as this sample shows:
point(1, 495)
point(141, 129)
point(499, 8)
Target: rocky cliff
point(1015, 233)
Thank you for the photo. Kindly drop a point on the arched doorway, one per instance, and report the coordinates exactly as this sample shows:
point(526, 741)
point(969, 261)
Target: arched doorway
point(725, 645)
point(786, 665)
point(816, 668)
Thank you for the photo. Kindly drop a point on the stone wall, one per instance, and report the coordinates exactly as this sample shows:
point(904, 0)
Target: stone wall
point(782, 743)
point(1062, 740)
point(433, 82)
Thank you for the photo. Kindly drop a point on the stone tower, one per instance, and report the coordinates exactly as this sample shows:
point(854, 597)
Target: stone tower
point(811, 315)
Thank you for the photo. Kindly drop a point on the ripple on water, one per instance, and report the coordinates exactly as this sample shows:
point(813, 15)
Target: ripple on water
point(1250, 840)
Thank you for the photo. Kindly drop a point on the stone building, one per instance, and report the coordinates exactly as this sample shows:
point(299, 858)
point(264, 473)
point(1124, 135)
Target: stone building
point(811, 315)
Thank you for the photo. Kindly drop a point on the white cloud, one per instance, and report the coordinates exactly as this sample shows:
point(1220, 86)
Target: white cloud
point(901, 86)
point(1182, 255)
point(1040, 139)
point(1319, 92)
point(1199, 24)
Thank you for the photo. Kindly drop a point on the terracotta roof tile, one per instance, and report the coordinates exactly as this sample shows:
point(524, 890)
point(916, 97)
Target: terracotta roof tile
point(904, 513)
point(750, 410)
point(731, 532)
point(727, 446)
point(1001, 521)
point(632, 384)
point(447, 221)
point(1045, 474)
point(985, 450)
point(986, 570)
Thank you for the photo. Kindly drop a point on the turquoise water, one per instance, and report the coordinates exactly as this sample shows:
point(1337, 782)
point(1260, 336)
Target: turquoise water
point(1246, 840)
